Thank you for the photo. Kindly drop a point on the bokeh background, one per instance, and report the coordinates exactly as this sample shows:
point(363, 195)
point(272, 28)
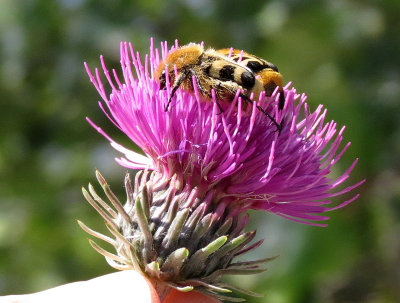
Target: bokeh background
point(344, 54)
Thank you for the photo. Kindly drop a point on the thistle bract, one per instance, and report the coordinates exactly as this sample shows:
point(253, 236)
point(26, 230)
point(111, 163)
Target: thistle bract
point(183, 224)
point(177, 237)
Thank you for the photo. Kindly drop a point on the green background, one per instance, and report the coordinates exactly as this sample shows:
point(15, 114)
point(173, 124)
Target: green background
point(343, 54)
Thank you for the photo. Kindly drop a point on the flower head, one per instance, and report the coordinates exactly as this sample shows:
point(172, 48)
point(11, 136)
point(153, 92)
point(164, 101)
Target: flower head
point(184, 223)
point(237, 154)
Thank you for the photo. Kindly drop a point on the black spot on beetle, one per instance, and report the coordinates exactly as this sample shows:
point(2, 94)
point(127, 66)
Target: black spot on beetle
point(248, 79)
point(255, 66)
point(226, 73)
point(272, 66)
point(244, 58)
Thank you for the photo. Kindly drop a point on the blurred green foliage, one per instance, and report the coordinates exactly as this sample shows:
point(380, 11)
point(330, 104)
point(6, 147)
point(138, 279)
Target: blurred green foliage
point(344, 54)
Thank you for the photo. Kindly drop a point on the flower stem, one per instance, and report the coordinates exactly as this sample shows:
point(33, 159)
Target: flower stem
point(161, 288)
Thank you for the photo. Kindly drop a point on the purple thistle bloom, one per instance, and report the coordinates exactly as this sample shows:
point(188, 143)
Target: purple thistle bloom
point(238, 154)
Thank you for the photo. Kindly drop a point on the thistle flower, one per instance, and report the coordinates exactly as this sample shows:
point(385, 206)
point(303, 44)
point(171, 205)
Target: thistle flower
point(183, 224)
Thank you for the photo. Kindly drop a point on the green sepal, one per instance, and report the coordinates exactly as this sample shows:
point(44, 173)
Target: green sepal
point(175, 260)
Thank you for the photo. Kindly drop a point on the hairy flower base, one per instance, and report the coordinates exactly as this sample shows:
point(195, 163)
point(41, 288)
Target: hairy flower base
point(176, 236)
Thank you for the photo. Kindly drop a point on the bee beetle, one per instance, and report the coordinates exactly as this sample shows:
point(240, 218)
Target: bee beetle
point(212, 70)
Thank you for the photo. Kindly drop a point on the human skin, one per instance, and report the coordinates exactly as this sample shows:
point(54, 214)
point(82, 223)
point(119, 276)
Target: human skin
point(124, 286)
